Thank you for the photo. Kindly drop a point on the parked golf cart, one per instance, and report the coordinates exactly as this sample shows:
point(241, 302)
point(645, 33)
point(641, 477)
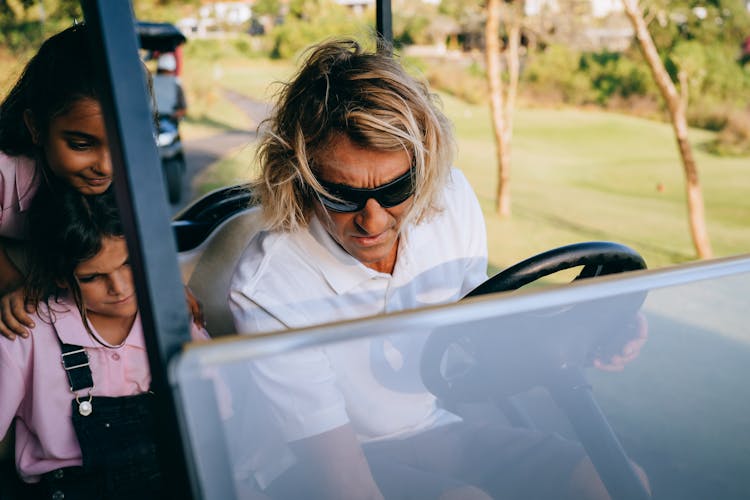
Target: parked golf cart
point(165, 38)
point(679, 410)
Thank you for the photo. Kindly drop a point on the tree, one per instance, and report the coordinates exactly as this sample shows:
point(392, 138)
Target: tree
point(677, 104)
point(502, 98)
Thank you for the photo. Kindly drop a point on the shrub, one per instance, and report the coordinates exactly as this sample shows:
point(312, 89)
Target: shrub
point(613, 74)
point(734, 138)
point(313, 23)
point(553, 74)
point(466, 83)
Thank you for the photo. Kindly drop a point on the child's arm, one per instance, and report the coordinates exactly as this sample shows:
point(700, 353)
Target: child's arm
point(14, 315)
point(10, 277)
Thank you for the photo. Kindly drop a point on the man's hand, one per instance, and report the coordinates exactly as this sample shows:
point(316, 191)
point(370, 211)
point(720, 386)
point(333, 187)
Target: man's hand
point(14, 315)
point(630, 350)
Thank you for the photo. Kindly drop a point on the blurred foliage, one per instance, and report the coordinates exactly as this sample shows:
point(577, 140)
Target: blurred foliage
point(24, 24)
point(700, 39)
point(413, 23)
point(734, 138)
point(310, 21)
point(587, 78)
point(712, 21)
point(266, 8)
point(613, 74)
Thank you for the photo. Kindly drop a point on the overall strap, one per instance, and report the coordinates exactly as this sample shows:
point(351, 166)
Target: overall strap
point(75, 361)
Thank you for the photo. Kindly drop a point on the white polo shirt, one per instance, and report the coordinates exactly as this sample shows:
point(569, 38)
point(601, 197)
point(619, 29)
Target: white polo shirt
point(298, 279)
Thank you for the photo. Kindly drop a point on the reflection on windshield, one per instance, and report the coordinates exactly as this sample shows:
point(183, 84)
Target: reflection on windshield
point(516, 409)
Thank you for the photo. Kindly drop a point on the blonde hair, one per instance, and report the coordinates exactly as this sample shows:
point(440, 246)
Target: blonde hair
point(369, 97)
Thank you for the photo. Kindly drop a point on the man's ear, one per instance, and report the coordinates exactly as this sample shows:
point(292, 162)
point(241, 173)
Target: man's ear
point(28, 120)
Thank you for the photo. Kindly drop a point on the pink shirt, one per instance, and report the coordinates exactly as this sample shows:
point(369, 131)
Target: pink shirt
point(34, 387)
point(19, 181)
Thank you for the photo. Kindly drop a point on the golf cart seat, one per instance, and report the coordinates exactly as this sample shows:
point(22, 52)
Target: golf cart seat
point(211, 235)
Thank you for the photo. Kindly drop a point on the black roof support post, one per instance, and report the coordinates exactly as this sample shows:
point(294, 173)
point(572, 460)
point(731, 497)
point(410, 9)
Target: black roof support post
point(384, 20)
point(142, 200)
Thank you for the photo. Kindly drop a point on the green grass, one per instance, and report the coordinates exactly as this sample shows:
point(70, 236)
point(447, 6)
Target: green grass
point(214, 65)
point(235, 168)
point(584, 175)
point(259, 80)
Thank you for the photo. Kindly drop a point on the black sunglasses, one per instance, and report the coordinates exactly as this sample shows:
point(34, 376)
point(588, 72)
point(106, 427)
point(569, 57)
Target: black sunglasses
point(354, 199)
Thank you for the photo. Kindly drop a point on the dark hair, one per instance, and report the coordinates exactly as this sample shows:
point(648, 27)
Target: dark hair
point(60, 73)
point(66, 228)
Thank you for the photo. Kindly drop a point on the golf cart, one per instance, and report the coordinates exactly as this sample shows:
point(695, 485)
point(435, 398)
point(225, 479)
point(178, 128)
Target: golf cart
point(679, 410)
point(165, 38)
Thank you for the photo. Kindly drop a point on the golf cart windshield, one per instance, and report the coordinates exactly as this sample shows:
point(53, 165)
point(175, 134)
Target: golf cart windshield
point(522, 359)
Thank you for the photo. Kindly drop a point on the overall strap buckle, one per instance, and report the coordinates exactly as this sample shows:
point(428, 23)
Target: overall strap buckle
point(75, 361)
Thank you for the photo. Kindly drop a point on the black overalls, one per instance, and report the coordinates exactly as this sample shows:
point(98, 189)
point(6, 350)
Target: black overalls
point(117, 442)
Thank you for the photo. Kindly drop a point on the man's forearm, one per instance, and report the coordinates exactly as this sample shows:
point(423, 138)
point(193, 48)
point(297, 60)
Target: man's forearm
point(336, 465)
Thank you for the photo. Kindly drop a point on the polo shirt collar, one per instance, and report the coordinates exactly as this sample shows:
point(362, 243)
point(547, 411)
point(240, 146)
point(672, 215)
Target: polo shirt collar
point(69, 327)
point(342, 271)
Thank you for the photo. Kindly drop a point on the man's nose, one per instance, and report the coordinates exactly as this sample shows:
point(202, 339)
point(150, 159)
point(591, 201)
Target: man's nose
point(373, 218)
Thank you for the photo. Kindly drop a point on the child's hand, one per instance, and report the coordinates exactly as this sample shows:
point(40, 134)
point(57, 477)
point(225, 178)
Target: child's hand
point(195, 308)
point(14, 315)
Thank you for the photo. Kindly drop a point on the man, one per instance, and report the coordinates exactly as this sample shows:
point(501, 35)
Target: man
point(168, 93)
point(365, 216)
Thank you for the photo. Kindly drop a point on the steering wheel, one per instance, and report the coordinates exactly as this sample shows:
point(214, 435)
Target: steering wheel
point(475, 362)
point(466, 363)
point(598, 258)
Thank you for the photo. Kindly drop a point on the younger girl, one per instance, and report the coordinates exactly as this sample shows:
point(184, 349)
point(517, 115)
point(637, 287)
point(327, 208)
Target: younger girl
point(78, 388)
point(51, 126)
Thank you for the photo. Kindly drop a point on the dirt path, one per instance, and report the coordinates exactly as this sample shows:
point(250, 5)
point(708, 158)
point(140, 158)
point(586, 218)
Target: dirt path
point(200, 153)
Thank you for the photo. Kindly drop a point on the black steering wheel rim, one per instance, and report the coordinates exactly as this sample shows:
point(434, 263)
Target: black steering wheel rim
point(598, 258)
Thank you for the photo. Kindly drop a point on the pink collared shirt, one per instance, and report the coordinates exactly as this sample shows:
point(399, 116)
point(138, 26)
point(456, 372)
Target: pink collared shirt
point(34, 387)
point(19, 181)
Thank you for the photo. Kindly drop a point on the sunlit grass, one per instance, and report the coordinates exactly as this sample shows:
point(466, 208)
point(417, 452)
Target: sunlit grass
point(588, 175)
point(235, 168)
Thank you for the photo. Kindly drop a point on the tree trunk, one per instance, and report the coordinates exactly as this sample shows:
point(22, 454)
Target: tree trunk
point(676, 106)
point(513, 61)
point(497, 107)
